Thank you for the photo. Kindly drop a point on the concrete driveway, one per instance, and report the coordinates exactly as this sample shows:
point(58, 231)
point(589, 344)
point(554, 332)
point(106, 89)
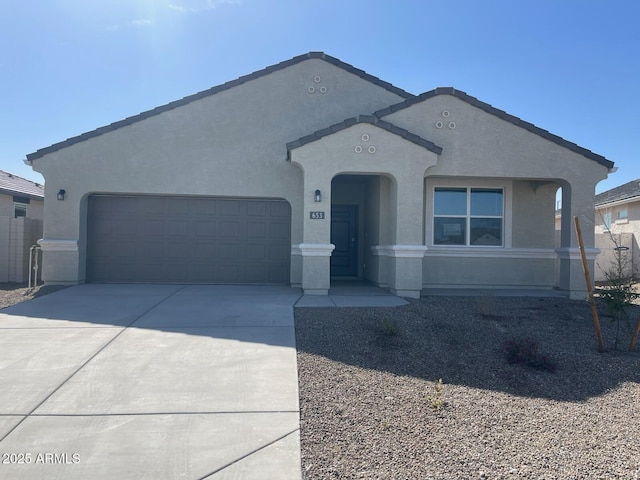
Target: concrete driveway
point(150, 382)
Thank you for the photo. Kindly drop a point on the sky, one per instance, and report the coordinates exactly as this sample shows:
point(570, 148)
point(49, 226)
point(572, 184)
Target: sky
point(568, 66)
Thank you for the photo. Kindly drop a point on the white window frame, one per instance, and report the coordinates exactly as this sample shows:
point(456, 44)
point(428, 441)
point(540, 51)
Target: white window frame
point(505, 185)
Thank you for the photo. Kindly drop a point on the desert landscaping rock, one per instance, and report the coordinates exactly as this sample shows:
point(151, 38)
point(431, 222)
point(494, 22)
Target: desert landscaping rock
point(365, 388)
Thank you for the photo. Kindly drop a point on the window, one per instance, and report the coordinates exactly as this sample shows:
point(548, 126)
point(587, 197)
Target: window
point(606, 220)
point(20, 209)
point(20, 206)
point(468, 216)
point(622, 214)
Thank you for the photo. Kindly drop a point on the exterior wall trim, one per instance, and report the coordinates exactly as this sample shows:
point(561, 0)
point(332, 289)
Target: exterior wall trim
point(493, 252)
point(573, 253)
point(312, 249)
point(399, 251)
point(58, 245)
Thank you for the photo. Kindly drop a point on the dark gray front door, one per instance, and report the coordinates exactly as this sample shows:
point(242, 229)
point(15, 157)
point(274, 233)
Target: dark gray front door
point(344, 235)
point(187, 239)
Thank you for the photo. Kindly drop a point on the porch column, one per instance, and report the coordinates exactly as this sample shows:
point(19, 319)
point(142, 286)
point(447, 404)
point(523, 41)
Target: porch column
point(406, 254)
point(60, 265)
point(315, 249)
point(577, 200)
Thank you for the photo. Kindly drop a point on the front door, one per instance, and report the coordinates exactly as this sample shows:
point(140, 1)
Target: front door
point(344, 235)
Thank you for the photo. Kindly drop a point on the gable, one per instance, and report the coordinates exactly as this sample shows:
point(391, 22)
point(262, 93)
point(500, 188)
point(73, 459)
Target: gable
point(460, 95)
point(312, 83)
point(364, 145)
point(364, 119)
point(479, 140)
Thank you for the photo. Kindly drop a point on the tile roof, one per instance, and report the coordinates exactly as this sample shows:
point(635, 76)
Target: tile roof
point(371, 119)
point(212, 91)
point(498, 113)
point(14, 185)
point(623, 192)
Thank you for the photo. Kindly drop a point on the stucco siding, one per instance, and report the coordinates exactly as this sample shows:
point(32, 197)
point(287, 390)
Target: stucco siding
point(481, 144)
point(6, 206)
point(629, 227)
point(488, 272)
point(533, 214)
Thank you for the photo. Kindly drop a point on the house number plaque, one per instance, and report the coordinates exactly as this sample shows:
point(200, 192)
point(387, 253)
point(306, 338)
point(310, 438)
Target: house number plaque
point(316, 215)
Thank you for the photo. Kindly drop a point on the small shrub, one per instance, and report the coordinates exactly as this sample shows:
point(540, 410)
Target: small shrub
point(619, 293)
point(390, 328)
point(435, 401)
point(526, 352)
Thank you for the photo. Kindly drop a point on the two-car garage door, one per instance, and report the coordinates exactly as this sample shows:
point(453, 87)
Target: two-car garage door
point(187, 239)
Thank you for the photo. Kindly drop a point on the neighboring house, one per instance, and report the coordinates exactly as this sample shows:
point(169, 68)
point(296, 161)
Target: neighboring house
point(311, 170)
point(21, 213)
point(618, 216)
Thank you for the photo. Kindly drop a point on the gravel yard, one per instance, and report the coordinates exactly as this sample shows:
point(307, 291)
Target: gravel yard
point(367, 375)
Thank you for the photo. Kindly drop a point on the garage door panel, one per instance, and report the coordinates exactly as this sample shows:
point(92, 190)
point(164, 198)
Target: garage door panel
point(256, 209)
point(173, 206)
point(225, 273)
point(205, 228)
point(279, 252)
point(151, 227)
point(280, 209)
point(203, 208)
point(229, 229)
point(177, 228)
point(182, 239)
point(256, 230)
point(279, 231)
point(228, 251)
point(228, 208)
point(256, 252)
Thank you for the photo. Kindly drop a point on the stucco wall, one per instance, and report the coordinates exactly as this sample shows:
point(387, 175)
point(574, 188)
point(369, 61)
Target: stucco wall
point(232, 143)
point(483, 145)
point(488, 271)
point(533, 220)
point(629, 227)
point(17, 235)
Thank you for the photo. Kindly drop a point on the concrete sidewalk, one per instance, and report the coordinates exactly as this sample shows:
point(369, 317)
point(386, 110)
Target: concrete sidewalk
point(348, 293)
point(150, 382)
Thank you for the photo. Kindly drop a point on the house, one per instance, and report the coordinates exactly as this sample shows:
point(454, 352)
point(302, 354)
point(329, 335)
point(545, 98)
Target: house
point(21, 213)
point(618, 216)
point(311, 170)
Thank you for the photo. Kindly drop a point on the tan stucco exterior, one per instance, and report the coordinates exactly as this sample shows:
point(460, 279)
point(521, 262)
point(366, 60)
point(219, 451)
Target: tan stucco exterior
point(624, 224)
point(281, 133)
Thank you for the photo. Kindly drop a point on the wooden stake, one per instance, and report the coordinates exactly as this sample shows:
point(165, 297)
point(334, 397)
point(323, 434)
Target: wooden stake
point(634, 337)
point(587, 279)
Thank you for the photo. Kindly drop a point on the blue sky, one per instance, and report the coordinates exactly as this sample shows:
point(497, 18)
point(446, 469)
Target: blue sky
point(569, 66)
